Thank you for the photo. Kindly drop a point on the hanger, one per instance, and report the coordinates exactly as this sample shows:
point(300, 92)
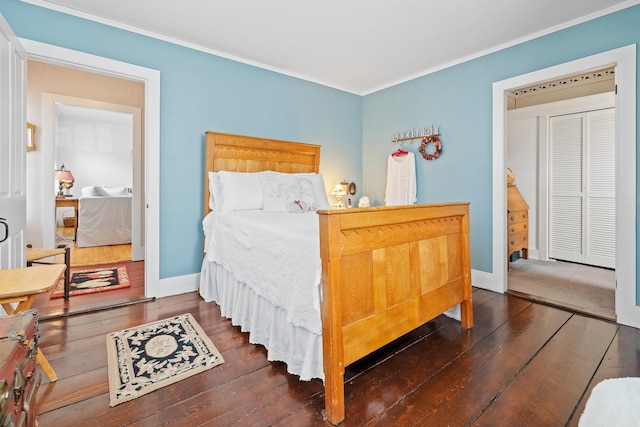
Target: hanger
point(400, 152)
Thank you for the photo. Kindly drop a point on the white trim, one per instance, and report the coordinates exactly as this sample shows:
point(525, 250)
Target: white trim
point(151, 78)
point(625, 59)
point(591, 102)
point(177, 285)
point(481, 279)
point(133, 29)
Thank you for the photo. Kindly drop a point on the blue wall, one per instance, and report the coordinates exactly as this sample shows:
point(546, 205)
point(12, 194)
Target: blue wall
point(459, 101)
point(201, 92)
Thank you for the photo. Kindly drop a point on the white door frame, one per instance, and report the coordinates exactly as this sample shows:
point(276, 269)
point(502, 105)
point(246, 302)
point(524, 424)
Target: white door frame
point(624, 59)
point(151, 79)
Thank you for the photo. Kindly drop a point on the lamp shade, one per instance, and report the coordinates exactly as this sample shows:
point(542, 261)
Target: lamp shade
point(64, 175)
point(338, 190)
point(65, 180)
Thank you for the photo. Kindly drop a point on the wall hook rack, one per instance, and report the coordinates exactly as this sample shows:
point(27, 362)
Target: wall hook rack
point(410, 135)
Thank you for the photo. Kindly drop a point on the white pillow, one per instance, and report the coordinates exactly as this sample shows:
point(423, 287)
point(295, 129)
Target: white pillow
point(307, 195)
point(279, 191)
point(215, 191)
point(99, 191)
point(87, 191)
point(94, 190)
point(116, 191)
point(240, 191)
point(319, 191)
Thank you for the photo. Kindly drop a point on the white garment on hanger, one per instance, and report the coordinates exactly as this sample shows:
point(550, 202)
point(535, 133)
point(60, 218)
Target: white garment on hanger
point(401, 180)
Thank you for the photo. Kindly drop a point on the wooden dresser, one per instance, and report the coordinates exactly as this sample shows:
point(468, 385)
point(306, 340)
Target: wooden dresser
point(517, 223)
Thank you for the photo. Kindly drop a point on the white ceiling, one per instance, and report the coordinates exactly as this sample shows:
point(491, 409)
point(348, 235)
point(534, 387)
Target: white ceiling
point(359, 46)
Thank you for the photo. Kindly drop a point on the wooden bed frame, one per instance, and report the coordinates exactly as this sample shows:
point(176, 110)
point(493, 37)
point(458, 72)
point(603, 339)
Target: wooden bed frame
point(385, 270)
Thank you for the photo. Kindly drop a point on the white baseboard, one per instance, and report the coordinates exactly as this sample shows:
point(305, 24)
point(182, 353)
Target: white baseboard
point(191, 282)
point(484, 280)
point(175, 286)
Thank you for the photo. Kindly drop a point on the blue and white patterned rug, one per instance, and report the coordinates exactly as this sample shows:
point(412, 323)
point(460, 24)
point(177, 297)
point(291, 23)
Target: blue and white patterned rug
point(155, 355)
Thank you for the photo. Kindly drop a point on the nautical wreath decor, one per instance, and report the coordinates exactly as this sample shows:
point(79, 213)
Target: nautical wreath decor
point(145, 358)
point(437, 147)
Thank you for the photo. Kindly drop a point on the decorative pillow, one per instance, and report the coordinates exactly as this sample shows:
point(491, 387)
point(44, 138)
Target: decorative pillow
point(240, 191)
point(307, 195)
point(279, 191)
point(319, 191)
point(297, 206)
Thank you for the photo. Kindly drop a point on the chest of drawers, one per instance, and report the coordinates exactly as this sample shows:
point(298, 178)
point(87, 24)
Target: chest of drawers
point(517, 223)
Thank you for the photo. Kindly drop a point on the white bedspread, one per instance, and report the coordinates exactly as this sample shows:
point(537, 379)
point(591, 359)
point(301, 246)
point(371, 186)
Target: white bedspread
point(104, 220)
point(276, 254)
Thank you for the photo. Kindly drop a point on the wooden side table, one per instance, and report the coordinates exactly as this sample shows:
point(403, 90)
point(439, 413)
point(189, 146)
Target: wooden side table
point(22, 285)
point(70, 202)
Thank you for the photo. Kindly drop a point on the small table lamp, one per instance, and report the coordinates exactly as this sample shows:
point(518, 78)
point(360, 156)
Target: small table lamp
point(65, 180)
point(338, 192)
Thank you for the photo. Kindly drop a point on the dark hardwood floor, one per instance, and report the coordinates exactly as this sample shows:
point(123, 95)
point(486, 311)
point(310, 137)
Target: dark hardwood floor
point(523, 363)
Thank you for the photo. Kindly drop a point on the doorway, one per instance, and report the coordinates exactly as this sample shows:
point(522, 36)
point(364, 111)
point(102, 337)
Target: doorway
point(627, 312)
point(98, 145)
point(556, 147)
point(101, 143)
point(151, 140)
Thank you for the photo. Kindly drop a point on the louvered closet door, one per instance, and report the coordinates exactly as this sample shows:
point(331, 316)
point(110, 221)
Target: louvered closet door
point(582, 188)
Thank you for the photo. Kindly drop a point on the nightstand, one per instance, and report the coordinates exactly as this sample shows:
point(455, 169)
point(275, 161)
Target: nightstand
point(70, 202)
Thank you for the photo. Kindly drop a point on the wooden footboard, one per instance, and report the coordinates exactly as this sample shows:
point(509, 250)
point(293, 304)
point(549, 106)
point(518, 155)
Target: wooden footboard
point(386, 271)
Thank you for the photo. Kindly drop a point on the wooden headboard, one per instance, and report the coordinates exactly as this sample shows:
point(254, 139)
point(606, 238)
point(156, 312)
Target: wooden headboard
point(239, 153)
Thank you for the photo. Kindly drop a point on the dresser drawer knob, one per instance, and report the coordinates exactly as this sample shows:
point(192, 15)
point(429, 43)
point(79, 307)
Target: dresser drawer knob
point(513, 242)
point(513, 229)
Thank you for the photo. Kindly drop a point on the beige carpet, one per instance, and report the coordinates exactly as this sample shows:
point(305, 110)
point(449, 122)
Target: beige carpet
point(582, 288)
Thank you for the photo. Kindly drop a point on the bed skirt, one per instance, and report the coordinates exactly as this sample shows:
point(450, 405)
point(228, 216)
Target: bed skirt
point(298, 348)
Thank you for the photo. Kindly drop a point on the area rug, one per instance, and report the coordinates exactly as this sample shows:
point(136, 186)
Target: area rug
point(613, 402)
point(148, 357)
point(94, 280)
